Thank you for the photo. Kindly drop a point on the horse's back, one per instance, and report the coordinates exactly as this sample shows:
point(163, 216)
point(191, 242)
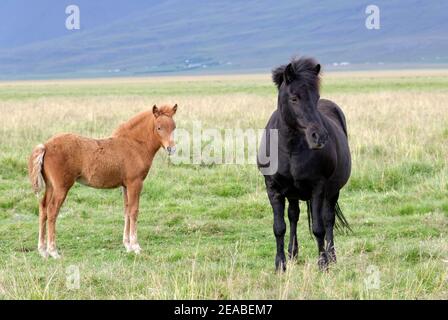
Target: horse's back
point(335, 116)
point(62, 145)
point(272, 122)
point(264, 147)
point(93, 162)
point(70, 145)
point(333, 111)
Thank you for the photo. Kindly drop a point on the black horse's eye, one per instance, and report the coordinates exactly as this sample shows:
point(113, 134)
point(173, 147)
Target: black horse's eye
point(295, 99)
point(159, 128)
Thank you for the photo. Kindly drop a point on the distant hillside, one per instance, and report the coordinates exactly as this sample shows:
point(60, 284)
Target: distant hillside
point(175, 36)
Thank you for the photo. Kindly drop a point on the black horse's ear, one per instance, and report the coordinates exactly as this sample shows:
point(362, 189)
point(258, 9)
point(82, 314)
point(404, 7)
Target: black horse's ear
point(317, 68)
point(289, 74)
point(277, 75)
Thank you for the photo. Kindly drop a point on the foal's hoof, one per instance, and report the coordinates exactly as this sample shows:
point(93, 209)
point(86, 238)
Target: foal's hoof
point(43, 253)
point(323, 262)
point(137, 249)
point(133, 248)
point(54, 254)
point(128, 247)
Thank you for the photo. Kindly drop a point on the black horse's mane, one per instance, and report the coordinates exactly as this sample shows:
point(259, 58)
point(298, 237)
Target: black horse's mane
point(304, 69)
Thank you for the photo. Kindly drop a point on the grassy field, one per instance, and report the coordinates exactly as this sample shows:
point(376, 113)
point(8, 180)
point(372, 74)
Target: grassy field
point(206, 231)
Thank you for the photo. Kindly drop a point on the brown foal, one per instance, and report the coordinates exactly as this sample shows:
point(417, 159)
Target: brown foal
point(123, 160)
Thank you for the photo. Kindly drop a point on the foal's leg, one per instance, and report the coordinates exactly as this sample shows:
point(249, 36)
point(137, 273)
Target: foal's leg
point(317, 207)
point(126, 221)
point(42, 244)
point(278, 206)
point(293, 215)
point(54, 205)
point(133, 207)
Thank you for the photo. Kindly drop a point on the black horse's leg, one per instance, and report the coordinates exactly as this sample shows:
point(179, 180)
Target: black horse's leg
point(293, 216)
point(329, 220)
point(278, 206)
point(317, 207)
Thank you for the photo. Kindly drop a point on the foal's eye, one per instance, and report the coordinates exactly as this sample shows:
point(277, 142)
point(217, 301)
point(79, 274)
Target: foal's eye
point(159, 128)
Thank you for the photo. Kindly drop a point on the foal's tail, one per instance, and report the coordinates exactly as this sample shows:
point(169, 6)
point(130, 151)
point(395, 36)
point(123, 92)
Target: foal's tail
point(341, 221)
point(35, 167)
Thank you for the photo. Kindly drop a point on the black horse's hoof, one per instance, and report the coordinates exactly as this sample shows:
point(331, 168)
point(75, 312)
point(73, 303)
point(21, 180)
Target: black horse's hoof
point(280, 264)
point(294, 254)
point(332, 255)
point(323, 262)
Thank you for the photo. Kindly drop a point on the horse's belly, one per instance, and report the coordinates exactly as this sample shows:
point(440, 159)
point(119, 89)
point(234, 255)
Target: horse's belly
point(301, 190)
point(99, 184)
point(291, 188)
point(101, 177)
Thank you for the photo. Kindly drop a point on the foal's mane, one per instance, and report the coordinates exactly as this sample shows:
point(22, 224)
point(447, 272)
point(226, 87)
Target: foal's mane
point(135, 126)
point(304, 70)
point(141, 126)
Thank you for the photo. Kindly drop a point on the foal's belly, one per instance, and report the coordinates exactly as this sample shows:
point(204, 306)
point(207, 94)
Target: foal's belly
point(99, 184)
point(101, 176)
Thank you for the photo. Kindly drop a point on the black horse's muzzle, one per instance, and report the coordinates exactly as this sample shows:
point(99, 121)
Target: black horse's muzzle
point(316, 138)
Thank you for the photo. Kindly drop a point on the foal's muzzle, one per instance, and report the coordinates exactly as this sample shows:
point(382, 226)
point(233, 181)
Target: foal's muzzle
point(170, 150)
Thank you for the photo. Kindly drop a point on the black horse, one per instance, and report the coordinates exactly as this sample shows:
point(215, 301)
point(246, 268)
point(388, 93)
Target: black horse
point(313, 156)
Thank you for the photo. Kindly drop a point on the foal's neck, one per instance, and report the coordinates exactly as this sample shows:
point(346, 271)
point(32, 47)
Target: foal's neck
point(140, 128)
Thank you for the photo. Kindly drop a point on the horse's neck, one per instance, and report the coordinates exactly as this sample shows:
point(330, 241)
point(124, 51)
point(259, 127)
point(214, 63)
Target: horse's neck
point(286, 129)
point(140, 129)
point(290, 138)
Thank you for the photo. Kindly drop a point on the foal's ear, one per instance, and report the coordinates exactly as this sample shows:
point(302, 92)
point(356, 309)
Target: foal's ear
point(289, 74)
point(317, 68)
point(174, 109)
point(155, 111)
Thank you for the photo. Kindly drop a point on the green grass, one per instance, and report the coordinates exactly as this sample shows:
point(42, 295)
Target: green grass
point(214, 86)
point(206, 231)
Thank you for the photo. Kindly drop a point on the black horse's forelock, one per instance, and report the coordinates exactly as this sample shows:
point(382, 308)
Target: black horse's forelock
point(304, 69)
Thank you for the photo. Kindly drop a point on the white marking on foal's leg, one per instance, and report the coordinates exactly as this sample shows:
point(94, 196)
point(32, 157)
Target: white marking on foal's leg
point(42, 251)
point(126, 242)
point(42, 246)
point(54, 254)
point(51, 249)
point(136, 248)
point(128, 246)
point(134, 244)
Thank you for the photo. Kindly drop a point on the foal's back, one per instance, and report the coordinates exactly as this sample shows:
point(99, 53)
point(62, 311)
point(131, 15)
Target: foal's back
point(99, 163)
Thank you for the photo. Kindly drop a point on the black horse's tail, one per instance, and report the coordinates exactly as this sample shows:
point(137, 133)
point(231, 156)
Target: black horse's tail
point(341, 221)
point(308, 211)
